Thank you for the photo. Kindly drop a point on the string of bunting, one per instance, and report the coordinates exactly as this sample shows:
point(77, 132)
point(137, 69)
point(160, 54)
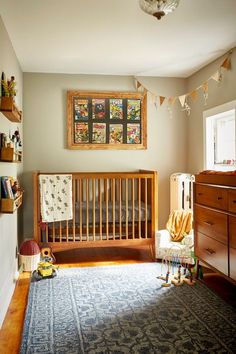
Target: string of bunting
point(184, 99)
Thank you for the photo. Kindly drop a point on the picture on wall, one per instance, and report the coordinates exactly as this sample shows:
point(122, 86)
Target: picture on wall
point(133, 110)
point(133, 133)
point(116, 108)
point(116, 134)
point(81, 133)
point(99, 133)
point(98, 107)
point(106, 120)
point(80, 109)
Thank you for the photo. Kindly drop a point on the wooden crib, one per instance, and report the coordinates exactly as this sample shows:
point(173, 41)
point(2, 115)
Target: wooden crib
point(109, 209)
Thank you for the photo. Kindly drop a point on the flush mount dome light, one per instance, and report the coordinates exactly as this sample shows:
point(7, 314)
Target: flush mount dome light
point(158, 8)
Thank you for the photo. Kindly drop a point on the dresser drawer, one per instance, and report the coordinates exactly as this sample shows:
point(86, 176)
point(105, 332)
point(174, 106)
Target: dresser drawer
point(212, 252)
point(214, 197)
point(211, 223)
point(232, 231)
point(232, 263)
point(232, 200)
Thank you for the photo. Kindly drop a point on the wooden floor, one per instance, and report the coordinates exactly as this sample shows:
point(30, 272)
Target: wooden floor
point(10, 334)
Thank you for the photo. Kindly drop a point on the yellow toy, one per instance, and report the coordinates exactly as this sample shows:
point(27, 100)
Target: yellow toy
point(45, 270)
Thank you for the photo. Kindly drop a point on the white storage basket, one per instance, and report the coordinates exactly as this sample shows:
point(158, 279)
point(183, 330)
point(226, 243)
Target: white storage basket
point(29, 263)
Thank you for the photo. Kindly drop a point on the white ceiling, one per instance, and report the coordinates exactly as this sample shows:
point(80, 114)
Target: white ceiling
point(117, 37)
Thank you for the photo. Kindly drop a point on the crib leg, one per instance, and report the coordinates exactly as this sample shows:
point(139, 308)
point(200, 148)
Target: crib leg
point(152, 251)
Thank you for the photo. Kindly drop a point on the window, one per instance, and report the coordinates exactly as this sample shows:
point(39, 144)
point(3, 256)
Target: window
point(219, 137)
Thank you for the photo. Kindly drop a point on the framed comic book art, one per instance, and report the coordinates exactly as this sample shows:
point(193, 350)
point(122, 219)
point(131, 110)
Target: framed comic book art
point(106, 120)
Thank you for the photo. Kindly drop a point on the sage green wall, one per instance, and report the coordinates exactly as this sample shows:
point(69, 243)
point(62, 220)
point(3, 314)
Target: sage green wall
point(218, 95)
point(8, 223)
point(45, 133)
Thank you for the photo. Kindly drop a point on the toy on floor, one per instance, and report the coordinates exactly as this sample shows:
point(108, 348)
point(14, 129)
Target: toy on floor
point(45, 270)
point(181, 271)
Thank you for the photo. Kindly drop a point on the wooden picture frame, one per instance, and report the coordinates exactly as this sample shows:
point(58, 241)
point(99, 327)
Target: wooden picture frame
point(106, 120)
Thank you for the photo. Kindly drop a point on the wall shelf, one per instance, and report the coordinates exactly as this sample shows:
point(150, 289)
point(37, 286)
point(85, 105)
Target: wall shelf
point(7, 154)
point(10, 110)
point(9, 206)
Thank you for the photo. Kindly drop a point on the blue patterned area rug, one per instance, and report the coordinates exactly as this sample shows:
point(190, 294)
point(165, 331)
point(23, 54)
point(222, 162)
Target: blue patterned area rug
point(124, 309)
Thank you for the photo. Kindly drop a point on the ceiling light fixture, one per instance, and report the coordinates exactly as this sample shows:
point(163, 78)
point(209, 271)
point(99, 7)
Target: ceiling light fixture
point(158, 8)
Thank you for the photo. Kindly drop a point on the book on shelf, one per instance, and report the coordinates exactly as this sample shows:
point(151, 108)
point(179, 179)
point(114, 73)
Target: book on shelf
point(6, 187)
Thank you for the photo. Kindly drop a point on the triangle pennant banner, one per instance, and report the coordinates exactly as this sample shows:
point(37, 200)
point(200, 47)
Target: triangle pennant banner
point(138, 85)
point(205, 86)
point(193, 95)
point(171, 100)
point(162, 99)
point(215, 76)
point(226, 64)
point(182, 100)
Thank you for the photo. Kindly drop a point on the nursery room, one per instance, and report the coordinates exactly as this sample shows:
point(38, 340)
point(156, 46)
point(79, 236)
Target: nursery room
point(117, 176)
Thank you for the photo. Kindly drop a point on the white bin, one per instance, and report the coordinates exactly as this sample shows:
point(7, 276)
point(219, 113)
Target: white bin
point(29, 263)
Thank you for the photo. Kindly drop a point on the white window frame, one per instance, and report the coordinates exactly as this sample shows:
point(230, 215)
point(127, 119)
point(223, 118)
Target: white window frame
point(213, 112)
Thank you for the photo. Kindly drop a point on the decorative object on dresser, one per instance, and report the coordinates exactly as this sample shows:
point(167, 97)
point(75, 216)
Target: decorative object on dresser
point(109, 209)
point(215, 221)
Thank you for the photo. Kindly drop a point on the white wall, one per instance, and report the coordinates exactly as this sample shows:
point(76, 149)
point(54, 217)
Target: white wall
point(45, 134)
point(218, 95)
point(8, 223)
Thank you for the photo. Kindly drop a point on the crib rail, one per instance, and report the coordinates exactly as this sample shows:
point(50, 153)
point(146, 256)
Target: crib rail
point(108, 208)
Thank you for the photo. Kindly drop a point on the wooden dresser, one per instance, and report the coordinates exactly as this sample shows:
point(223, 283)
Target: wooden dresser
point(215, 222)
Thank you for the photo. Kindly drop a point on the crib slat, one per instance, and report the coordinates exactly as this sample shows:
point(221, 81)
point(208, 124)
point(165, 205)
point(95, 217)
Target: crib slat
point(146, 207)
point(126, 208)
point(133, 211)
point(94, 199)
point(113, 207)
point(73, 203)
point(46, 234)
point(67, 231)
point(120, 201)
point(80, 209)
point(53, 232)
point(139, 208)
point(106, 194)
point(100, 207)
point(60, 235)
point(87, 209)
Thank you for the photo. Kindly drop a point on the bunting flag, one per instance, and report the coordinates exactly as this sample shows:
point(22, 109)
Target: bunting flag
point(171, 100)
point(217, 76)
point(205, 86)
point(193, 95)
point(226, 63)
point(182, 100)
point(162, 99)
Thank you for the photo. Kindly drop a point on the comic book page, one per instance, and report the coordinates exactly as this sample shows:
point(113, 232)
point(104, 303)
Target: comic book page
point(133, 133)
point(80, 109)
point(98, 108)
point(116, 109)
point(133, 109)
point(81, 133)
point(116, 133)
point(99, 133)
